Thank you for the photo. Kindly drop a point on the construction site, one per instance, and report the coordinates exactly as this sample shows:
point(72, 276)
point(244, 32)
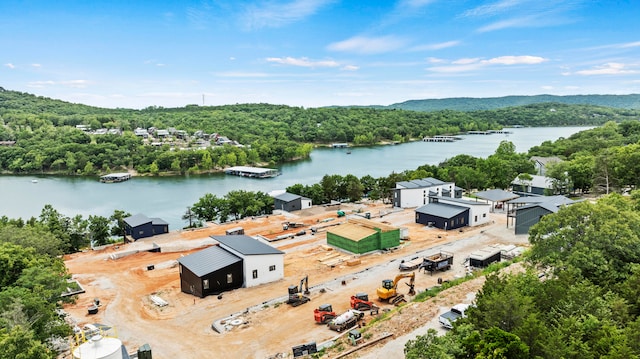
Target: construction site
point(325, 293)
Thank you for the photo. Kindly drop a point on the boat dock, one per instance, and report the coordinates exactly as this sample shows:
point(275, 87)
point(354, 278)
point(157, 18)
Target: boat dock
point(489, 132)
point(253, 172)
point(441, 139)
point(115, 177)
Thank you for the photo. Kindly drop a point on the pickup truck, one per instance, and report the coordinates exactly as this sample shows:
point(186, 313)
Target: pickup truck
point(456, 312)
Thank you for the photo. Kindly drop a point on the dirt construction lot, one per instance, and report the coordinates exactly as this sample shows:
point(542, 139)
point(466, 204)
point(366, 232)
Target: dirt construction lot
point(256, 322)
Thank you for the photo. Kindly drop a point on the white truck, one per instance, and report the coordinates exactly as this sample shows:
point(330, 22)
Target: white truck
point(456, 312)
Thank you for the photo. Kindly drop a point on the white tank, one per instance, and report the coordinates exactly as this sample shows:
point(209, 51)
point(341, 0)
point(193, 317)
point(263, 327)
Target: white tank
point(343, 318)
point(99, 347)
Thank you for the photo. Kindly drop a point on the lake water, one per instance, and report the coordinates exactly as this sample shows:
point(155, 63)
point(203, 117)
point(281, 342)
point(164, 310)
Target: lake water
point(169, 197)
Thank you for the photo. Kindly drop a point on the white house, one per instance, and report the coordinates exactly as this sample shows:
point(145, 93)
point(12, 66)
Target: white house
point(261, 263)
point(478, 211)
point(416, 193)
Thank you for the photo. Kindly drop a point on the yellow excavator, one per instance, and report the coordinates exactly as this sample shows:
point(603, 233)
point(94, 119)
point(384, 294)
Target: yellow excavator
point(389, 290)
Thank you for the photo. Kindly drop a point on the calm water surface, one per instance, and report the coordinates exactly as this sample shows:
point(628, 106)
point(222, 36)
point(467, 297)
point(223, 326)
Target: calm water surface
point(168, 198)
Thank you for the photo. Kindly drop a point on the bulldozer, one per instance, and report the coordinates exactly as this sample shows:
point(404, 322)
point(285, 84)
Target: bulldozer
point(324, 314)
point(296, 295)
point(361, 302)
point(389, 290)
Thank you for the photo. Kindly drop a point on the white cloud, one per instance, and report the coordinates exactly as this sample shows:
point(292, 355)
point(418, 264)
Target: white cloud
point(277, 14)
point(435, 60)
point(40, 84)
point(466, 61)
point(350, 68)
point(302, 62)
point(630, 44)
point(438, 46)
point(470, 64)
point(36, 66)
point(368, 45)
point(241, 74)
point(516, 60)
point(493, 9)
point(10, 65)
point(69, 83)
point(611, 68)
point(414, 3)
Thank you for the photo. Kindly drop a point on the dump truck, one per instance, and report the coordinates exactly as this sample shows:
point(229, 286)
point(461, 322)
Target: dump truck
point(346, 320)
point(456, 312)
point(436, 262)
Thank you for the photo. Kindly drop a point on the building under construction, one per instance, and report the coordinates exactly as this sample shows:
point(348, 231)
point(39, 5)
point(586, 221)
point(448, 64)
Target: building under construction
point(360, 235)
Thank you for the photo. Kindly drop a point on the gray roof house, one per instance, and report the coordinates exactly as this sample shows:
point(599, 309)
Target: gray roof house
point(536, 186)
point(140, 226)
point(541, 163)
point(290, 202)
point(210, 271)
point(416, 193)
point(527, 211)
point(261, 263)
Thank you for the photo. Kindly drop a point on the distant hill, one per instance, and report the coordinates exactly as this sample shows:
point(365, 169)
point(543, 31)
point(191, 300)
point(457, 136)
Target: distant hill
point(491, 103)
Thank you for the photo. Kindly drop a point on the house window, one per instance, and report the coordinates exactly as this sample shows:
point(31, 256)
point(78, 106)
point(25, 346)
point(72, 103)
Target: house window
point(461, 220)
point(484, 215)
point(140, 232)
point(272, 268)
point(229, 278)
point(475, 218)
point(180, 269)
point(255, 273)
point(205, 284)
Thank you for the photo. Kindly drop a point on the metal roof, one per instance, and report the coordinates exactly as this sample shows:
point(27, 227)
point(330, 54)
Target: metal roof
point(287, 197)
point(247, 169)
point(208, 260)
point(158, 221)
point(462, 201)
point(557, 200)
point(536, 181)
point(246, 245)
point(441, 210)
point(421, 183)
point(137, 220)
point(496, 195)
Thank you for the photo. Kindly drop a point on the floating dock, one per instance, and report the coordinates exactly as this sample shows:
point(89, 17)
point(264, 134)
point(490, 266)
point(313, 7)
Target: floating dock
point(441, 139)
point(253, 172)
point(115, 177)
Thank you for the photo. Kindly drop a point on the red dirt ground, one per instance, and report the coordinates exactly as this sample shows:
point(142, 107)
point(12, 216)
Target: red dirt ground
point(182, 329)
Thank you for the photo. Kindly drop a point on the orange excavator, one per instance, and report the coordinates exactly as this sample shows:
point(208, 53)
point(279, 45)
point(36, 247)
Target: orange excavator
point(389, 290)
point(361, 302)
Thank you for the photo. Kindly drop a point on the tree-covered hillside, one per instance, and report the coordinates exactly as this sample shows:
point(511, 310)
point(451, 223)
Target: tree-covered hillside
point(44, 135)
point(473, 104)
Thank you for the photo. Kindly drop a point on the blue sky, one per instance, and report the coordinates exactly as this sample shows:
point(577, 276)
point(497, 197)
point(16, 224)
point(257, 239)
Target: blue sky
point(311, 53)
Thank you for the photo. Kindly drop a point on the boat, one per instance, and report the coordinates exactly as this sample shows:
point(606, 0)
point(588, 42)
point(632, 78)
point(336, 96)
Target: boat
point(34, 181)
point(348, 152)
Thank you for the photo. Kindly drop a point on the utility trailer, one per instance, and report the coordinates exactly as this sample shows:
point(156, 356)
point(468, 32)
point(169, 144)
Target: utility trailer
point(437, 261)
point(411, 264)
point(485, 256)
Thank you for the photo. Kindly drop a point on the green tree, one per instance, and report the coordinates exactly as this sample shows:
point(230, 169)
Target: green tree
point(99, 229)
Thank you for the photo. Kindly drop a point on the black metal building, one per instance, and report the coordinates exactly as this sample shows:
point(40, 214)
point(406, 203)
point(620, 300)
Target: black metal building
point(210, 271)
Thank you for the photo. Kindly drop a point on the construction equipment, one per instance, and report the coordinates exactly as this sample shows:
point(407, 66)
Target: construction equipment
point(346, 320)
point(361, 302)
point(355, 336)
point(389, 290)
point(324, 314)
point(296, 295)
point(340, 213)
point(438, 261)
